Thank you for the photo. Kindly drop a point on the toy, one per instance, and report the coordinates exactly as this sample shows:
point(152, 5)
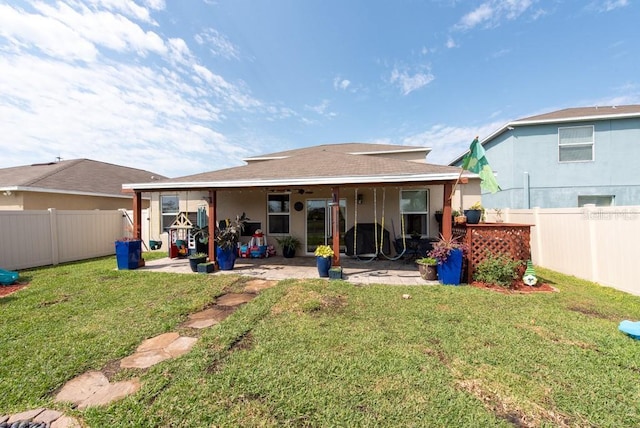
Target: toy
point(258, 245)
point(8, 277)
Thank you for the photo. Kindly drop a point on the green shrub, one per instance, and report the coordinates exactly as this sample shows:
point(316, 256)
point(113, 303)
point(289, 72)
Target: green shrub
point(497, 269)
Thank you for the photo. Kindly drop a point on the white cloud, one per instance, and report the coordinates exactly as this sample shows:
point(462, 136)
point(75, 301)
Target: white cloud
point(321, 109)
point(64, 93)
point(491, 12)
point(340, 83)
point(448, 142)
point(52, 37)
point(218, 44)
point(410, 82)
point(451, 43)
point(610, 5)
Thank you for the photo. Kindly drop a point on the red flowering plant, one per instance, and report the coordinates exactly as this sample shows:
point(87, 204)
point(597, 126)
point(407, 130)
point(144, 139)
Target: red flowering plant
point(443, 247)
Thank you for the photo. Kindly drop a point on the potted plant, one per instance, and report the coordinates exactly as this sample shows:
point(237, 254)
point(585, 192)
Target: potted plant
point(428, 268)
point(195, 259)
point(227, 237)
point(289, 245)
point(323, 254)
point(207, 267)
point(474, 214)
point(438, 215)
point(335, 272)
point(458, 217)
point(449, 254)
point(201, 236)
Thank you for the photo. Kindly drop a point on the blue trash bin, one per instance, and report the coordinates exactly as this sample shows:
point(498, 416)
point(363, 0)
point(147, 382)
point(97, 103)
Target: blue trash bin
point(128, 254)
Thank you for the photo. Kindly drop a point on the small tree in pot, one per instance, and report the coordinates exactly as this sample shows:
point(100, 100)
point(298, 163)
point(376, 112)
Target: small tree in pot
point(289, 244)
point(428, 268)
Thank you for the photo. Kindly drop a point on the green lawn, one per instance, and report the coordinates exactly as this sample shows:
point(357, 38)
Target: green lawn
point(317, 353)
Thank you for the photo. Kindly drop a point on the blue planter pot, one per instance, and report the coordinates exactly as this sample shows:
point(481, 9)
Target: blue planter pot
point(324, 264)
point(451, 271)
point(473, 216)
point(128, 254)
point(226, 258)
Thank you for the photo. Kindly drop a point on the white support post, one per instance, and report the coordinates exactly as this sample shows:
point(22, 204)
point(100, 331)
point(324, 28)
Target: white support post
point(53, 224)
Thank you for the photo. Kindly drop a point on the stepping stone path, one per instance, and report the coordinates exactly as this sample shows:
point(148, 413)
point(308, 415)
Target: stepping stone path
point(94, 389)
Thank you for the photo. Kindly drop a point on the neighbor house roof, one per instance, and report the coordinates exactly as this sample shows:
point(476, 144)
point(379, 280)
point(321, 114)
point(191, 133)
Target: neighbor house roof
point(576, 114)
point(77, 176)
point(319, 165)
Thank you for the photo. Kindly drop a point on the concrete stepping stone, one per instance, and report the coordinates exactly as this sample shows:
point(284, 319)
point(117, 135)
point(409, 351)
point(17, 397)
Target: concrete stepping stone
point(94, 389)
point(234, 299)
point(257, 285)
point(25, 416)
point(53, 418)
point(157, 349)
point(208, 317)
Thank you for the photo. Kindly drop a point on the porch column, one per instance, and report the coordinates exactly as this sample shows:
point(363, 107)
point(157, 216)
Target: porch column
point(335, 224)
point(446, 211)
point(137, 215)
point(212, 225)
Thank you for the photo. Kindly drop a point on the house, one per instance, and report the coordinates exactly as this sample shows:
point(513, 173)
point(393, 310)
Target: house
point(566, 158)
point(317, 194)
point(78, 184)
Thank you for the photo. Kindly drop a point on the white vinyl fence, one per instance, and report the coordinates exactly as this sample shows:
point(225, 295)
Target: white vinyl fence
point(40, 238)
point(593, 243)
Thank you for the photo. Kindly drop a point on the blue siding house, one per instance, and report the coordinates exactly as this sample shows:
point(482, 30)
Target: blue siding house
point(566, 158)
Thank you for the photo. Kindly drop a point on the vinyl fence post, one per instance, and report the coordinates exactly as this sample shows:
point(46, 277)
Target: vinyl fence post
point(53, 224)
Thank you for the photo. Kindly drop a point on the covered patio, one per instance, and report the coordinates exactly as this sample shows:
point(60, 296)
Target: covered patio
point(277, 268)
point(280, 192)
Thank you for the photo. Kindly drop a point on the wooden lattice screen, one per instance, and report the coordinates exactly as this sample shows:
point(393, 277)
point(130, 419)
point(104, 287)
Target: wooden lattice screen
point(507, 238)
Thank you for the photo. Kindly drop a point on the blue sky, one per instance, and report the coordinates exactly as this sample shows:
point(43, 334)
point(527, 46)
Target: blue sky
point(181, 87)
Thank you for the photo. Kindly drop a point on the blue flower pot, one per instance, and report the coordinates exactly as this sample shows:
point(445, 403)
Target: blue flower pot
point(226, 258)
point(450, 271)
point(473, 216)
point(324, 264)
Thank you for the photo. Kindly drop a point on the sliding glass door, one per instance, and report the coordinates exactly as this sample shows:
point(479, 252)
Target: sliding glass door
point(319, 224)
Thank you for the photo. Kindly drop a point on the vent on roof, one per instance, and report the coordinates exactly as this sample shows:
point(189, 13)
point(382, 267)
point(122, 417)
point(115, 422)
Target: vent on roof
point(43, 164)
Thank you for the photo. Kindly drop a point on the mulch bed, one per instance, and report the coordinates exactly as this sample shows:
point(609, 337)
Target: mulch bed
point(517, 287)
point(5, 290)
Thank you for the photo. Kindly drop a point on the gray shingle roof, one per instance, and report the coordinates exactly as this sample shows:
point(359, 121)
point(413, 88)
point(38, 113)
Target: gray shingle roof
point(325, 164)
point(77, 175)
point(584, 112)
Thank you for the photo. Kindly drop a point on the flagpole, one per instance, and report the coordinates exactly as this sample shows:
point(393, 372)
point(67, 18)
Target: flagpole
point(453, 190)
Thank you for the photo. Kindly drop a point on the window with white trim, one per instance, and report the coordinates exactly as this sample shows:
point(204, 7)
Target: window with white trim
point(169, 206)
point(575, 144)
point(278, 209)
point(597, 200)
point(414, 207)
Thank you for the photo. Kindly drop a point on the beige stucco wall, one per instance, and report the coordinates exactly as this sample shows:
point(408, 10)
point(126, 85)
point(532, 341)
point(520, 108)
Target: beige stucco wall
point(11, 201)
point(254, 204)
point(61, 201)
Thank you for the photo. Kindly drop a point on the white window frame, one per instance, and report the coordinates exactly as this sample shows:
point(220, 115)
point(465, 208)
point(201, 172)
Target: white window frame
point(590, 144)
point(270, 214)
point(164, 213)
point(595, 198)
point(424, 232)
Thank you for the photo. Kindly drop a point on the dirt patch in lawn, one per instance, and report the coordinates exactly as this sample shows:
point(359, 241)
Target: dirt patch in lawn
point(517, 287)
point(5, 290)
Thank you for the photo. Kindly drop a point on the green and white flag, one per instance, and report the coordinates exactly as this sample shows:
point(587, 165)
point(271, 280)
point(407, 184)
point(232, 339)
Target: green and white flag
point(476, 161)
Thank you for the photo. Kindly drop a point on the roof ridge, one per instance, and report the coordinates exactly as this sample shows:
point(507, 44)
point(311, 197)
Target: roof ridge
point(71, 163)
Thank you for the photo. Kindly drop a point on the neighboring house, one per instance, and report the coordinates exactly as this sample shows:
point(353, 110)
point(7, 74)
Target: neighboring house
point(566, 158)
point(297, 192)
point(79, 184)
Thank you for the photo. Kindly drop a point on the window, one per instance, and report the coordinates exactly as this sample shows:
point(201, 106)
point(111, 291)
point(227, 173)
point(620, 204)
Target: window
point(414, 206)
point(575, 144)
point(278, 212)
point(597, 200)
point(170, 206)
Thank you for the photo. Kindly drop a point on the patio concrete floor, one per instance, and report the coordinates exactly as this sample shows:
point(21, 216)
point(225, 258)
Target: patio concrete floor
point(379, 271)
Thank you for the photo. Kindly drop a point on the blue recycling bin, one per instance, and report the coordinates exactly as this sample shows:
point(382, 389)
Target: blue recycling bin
point(128, 254)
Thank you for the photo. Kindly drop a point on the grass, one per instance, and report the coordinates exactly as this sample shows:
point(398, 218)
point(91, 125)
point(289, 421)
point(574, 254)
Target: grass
point(326, 353)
